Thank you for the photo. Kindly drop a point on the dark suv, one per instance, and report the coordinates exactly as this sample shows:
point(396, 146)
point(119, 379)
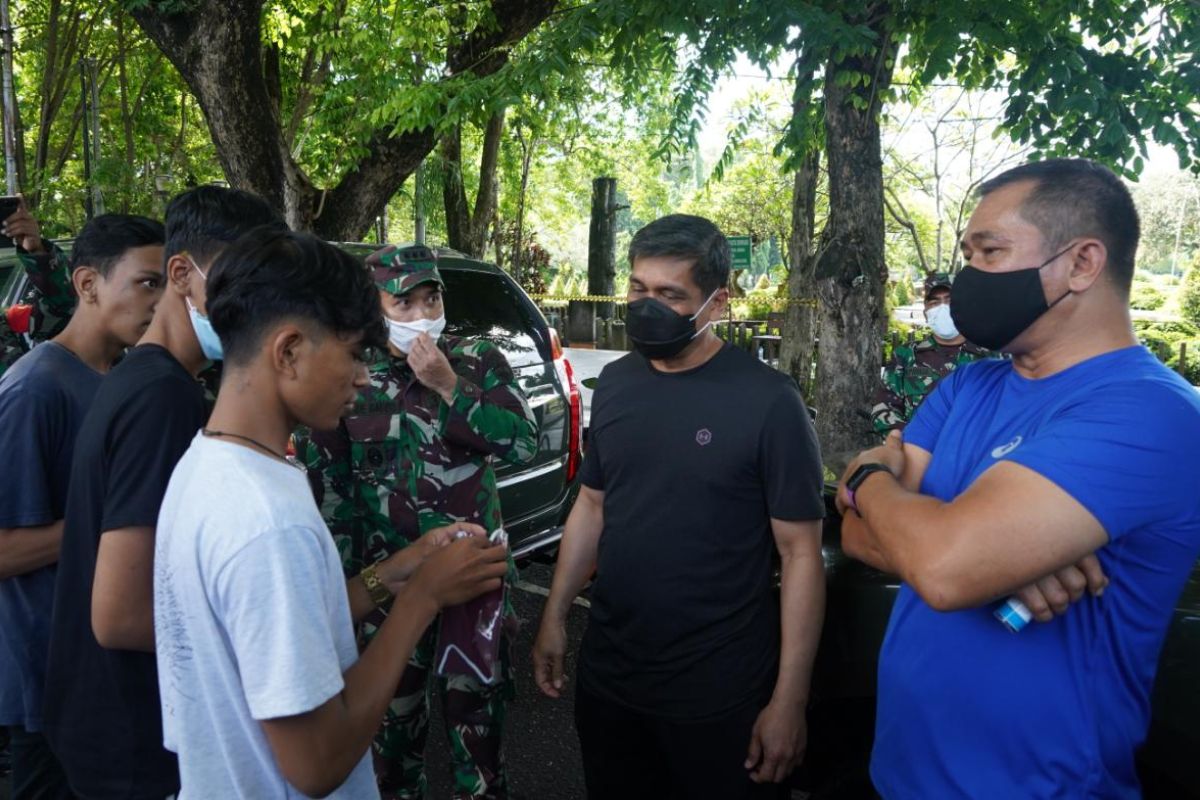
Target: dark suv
point(483, 302)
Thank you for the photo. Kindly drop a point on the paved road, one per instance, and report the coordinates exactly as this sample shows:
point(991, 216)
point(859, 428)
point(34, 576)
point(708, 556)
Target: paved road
point(587, 364)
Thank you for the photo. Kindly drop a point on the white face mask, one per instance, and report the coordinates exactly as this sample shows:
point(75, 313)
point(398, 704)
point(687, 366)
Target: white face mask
point(401, 335)
point(941, 322)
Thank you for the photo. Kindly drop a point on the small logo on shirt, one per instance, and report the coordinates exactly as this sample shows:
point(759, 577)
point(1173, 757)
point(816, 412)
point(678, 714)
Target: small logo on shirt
point(1005, 449)
point(703, 436)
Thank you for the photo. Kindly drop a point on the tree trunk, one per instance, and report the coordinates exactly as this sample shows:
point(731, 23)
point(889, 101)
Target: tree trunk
point(218, 50)
point(467, 229)
point(67, 35)
point(526, 161)
point(602, 243)
point(488, 197)
point(850, 272)
point(126, 117)
point(454, 194)
point(796, 349)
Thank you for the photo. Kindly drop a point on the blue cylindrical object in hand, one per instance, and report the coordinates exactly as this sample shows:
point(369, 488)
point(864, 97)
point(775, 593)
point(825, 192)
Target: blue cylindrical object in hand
point(1014, 614)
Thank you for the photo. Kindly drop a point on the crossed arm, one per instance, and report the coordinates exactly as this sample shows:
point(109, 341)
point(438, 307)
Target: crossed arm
point(1011, 531)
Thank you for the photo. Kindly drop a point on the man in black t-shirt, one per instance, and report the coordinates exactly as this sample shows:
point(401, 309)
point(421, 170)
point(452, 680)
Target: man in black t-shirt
point(102, 714)
point(701, 460)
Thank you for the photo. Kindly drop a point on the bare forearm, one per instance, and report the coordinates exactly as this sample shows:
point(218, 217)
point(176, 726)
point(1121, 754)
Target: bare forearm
point(131, 629)
point(24, 550)
point(370, 684)
point(1004, 532)
point(576, 556)
point(802, 613)
point(897, 527)
point(123, 590)
point(361, 603)
point(858, 542)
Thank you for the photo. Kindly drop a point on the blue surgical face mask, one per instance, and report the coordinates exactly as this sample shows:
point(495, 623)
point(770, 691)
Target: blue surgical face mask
point(210, 343)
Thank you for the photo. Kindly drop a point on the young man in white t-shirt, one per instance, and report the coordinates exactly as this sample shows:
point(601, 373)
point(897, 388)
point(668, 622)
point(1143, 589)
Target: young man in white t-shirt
point(263, 690)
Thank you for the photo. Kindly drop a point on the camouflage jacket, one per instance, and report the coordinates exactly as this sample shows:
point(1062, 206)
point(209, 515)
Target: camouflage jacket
point(911, 374)
point(45, 308)
point(404, 461)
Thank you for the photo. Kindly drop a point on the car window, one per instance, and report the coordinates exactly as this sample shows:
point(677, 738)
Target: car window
point(8, 273)
point(481, 305)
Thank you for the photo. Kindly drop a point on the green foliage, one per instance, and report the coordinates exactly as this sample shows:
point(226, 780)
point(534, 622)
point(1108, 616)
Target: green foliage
point(1169, 209)
point(897, 333)
point(1164, 340)
point(1146, 298)
point(1095, 78)
point(153, 140)
point(1189, 294)
point(759, 304)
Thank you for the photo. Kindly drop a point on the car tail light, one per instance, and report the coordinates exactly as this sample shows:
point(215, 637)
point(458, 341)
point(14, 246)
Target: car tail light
point(575, 400)
point(574, 405)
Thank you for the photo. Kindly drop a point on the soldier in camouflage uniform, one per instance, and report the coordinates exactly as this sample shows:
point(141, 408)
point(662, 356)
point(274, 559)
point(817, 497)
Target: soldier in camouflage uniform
point(915, 368)
point(49, 300)
point(415, 453)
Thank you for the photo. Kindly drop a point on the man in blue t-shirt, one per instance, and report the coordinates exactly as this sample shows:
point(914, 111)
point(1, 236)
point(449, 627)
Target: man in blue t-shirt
point(1061, 477)
point(116, 272)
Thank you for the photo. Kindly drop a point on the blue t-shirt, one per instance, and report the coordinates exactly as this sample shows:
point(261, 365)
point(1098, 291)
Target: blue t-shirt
point(43, 398)
point(967, 709)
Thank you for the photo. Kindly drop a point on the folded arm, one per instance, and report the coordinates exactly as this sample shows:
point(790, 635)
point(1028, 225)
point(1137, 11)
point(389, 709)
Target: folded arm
point(1010, 528)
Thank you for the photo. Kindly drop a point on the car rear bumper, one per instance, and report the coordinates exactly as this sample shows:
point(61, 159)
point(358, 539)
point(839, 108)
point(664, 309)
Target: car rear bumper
point(536, 537)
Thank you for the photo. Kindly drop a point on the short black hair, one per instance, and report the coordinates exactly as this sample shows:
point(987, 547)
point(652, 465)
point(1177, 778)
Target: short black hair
point(1074, 197)
point(690, 238)
point(204, 220)
point(269, 275)
point(102, 242)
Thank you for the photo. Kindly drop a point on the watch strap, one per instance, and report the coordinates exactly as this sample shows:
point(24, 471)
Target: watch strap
point(860, 475)
point(376, 588)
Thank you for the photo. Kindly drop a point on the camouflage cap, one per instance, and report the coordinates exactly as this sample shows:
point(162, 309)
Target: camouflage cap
point(399, 270)
point(937, 280)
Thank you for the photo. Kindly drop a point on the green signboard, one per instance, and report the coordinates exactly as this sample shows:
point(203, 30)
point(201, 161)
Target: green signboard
point(739, 246)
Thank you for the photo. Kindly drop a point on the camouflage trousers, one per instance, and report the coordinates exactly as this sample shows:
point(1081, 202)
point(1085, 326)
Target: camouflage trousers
point(474, 719)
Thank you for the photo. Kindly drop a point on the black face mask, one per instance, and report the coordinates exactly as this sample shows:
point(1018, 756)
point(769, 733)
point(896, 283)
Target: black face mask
point(993, 308)
point(657, 331)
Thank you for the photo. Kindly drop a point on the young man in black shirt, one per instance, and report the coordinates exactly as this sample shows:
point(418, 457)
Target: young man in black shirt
point(701, 461)
point(102, 714)
point(116, 274)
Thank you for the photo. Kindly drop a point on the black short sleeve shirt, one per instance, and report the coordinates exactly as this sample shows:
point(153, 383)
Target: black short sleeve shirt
point(693, 466)
point(102, 713)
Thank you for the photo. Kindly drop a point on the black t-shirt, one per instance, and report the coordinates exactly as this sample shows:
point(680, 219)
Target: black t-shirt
point(102, 713)
point(684, 623)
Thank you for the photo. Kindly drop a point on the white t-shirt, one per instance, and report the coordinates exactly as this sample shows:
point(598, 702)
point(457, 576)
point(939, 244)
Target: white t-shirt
point(251, 618)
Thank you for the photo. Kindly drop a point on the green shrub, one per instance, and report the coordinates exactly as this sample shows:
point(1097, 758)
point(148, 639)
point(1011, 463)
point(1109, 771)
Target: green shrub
point(1164, 339)
point(759, 304)
point(1146, 297)
point(1189, 294)
point(897, 332)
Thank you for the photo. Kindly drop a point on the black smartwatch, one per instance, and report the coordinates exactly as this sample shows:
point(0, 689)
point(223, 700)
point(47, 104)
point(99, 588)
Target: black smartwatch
point(860, 475)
